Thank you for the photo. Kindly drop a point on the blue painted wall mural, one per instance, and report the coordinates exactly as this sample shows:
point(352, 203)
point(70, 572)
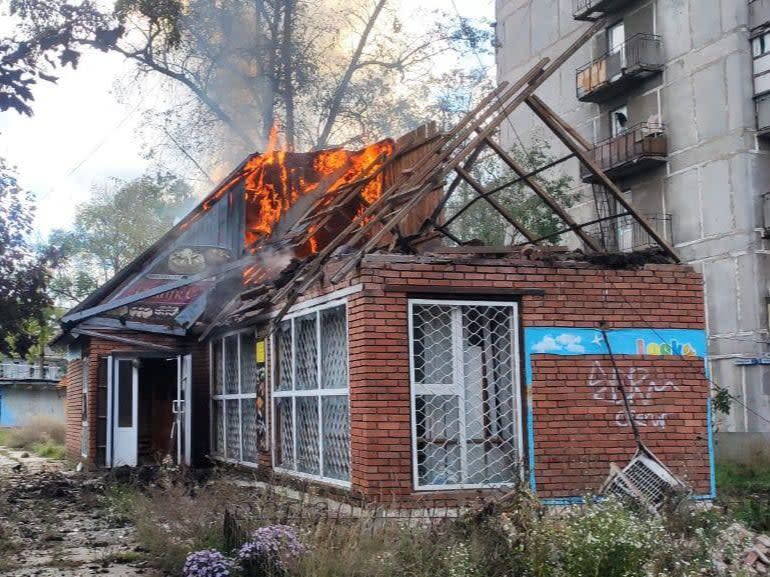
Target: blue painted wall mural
point(575, 341)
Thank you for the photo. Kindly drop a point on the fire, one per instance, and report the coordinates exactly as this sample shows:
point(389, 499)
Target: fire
point(276, 180)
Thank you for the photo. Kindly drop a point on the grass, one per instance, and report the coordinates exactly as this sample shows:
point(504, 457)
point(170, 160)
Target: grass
point(744, 490)
point(49, 450)
point(41, 435)
point(514, 538)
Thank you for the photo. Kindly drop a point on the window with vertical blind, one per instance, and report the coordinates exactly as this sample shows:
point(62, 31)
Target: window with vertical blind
point(311, 420)
point(234, 398)
point(465, 398)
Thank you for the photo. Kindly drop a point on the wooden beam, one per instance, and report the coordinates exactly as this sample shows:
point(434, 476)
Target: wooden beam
point(125, 340)
point(556, 127)
point(505, 185)
point(479, 189)
point(543, 194)
point(110, 323)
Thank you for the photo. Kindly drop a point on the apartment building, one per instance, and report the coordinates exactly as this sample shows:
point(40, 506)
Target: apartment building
point(675, 97)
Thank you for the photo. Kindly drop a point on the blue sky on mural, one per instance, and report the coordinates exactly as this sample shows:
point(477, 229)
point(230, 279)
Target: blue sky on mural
point(582, 341)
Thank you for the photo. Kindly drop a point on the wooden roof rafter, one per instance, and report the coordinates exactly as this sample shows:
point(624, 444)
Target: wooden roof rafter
point(449, 160)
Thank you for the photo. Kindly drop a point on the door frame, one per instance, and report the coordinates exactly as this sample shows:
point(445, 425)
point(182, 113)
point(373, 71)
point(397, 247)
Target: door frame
point(112, 359)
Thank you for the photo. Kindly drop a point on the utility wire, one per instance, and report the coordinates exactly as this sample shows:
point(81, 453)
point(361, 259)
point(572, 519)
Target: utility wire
point(482, 65)
point(719, 388)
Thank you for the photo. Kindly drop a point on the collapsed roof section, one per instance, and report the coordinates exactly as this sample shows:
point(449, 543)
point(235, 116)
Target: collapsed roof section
point(262, 238)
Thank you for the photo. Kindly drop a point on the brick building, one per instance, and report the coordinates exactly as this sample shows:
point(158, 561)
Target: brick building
point(344, 343)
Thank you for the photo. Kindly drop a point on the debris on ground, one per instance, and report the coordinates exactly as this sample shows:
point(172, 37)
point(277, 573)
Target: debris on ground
point(53, 523)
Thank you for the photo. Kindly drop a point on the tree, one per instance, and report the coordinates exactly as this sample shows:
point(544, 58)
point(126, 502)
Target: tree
point(330, 72)
point(112, 228)
point(482, 222)
point(24, 273)
point(48, 37)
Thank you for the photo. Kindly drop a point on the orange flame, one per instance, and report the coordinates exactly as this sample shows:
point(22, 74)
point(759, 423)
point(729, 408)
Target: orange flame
point(275, 180)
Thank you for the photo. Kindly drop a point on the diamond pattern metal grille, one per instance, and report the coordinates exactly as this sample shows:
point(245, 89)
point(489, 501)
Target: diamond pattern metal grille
point(307, 353)
point(307, 436)
point(218, 425)
point(218, 372)
point(334, 349)
point(248, 363)
point(249, 429)
point(432, 355)
point(464, 394)
point(336, 437)
point(284, 423)
point(283, 341)
point(231, 365)
point(233, 431)
point(317, 434)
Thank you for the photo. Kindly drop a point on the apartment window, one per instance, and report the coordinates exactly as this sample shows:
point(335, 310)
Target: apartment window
point(234, 399)
point(616, 39)
point(760, 45)
point(84, 429)
point(618, 121)
point(625, 226)
point(311, 417)
point(464, 389)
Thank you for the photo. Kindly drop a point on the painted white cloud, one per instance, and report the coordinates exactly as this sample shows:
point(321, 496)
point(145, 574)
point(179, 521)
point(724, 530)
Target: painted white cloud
point(564, 342)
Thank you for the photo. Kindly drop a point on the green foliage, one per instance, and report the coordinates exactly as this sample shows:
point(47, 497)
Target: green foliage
point(744, 489)
point(50, 450)
point(483, 223)
point(112, 228)
point(24, 273)
point(721, 400)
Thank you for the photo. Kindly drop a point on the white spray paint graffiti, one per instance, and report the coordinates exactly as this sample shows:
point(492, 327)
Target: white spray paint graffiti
point(640, 388)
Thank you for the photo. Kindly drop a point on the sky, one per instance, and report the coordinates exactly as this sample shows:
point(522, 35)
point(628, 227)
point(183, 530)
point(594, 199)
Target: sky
point(80, 134)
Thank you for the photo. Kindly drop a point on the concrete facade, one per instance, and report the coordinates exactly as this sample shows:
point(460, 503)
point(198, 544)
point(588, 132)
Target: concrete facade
point(717, 168)
point(20, 402)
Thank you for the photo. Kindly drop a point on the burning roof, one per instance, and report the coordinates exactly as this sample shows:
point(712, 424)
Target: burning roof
point(299, 210)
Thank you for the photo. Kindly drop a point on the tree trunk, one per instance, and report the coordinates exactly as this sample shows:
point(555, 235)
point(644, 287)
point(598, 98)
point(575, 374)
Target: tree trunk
point(288, 77)
point(342, 87)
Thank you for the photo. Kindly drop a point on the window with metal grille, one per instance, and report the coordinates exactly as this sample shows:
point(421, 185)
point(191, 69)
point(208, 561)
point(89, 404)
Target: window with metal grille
point(311, 420)
point(465, 393)
point(234, 399)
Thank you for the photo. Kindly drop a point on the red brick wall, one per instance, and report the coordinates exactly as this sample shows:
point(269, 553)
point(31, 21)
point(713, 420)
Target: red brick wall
point(575, 294)
point(580, 426)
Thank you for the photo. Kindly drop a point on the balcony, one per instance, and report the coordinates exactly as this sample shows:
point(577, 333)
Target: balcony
point(29, 372)
point(613, 73)
point(592, 10)
point(762, 104)
point(623, 233)
point(639, 148)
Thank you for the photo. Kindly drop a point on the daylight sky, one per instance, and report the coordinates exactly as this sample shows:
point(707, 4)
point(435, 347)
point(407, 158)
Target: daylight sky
point(81, 135)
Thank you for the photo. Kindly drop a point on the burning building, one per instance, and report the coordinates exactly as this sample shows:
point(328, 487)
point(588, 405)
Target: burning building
point(327, 316)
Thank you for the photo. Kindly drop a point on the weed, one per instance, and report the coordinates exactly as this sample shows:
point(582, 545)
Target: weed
point(120, 501)
point(121, 558)
point(744, 490)
point(36, 430)
point(49, 450)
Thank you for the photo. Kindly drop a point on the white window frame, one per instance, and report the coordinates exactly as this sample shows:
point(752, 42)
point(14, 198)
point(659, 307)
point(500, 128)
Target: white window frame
point(414, 391)
point(224, 397)
point(317, 392)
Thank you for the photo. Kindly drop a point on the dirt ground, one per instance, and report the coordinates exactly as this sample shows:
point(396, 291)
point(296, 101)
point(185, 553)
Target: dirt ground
point(53, 523)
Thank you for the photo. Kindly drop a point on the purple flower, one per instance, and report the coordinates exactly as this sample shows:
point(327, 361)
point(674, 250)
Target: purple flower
point(275, 544)
point(207, 563)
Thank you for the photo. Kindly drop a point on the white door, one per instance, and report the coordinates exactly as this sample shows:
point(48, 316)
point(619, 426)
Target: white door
point(182, 409)
point(125, 413)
